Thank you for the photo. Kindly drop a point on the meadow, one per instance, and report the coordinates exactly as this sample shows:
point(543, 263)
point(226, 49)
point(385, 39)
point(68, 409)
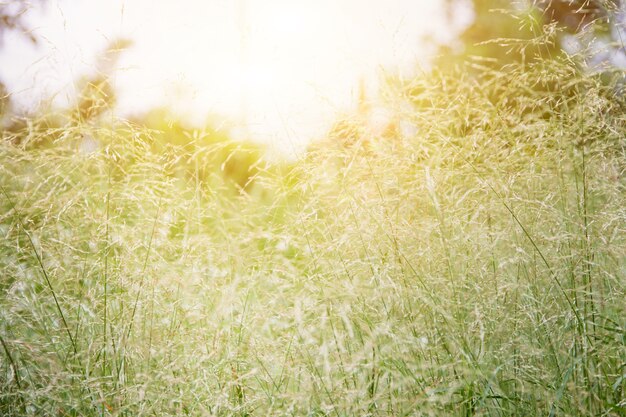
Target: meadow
point(470, 259)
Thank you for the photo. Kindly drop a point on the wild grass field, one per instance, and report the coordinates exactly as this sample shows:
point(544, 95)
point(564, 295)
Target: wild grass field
point(469, 260)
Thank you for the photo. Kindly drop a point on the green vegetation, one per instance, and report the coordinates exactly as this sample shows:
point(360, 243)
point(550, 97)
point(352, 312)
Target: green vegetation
point(468, 260)
point(472, 264)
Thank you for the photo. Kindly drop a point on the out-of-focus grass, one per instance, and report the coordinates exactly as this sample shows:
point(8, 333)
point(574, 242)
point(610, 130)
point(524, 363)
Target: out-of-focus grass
point(469, 260)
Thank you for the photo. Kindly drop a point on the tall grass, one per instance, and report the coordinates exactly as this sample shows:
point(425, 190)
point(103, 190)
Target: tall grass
point(470, 260)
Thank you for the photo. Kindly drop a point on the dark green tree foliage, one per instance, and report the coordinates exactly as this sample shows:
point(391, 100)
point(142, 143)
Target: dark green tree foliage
point(574, 15)
point(498, 35)
point(505, 31)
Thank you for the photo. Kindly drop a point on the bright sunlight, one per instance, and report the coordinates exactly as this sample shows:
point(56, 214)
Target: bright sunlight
point(324, 208)
point(280, 70)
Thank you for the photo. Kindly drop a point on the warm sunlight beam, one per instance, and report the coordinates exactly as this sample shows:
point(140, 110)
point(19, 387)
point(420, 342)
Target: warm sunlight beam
point(281, 70)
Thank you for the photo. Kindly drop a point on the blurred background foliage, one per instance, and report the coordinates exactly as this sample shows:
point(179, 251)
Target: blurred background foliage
point(503, 132)
point(503, 32)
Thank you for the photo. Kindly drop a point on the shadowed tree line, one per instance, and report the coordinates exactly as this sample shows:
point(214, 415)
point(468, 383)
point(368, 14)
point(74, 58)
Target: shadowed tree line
point(508, 30)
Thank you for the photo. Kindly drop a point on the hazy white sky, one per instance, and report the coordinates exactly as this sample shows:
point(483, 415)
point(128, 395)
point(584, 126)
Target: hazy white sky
point(284, 67)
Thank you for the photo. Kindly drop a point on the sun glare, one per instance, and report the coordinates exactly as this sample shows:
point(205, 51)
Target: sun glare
point(312, 208)
point(280, 70)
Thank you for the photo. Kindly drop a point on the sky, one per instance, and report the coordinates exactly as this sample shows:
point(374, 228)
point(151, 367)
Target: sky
point(281, 71)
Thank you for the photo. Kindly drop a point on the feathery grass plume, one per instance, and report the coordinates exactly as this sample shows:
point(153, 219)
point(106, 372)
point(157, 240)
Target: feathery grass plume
point(471, 260)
